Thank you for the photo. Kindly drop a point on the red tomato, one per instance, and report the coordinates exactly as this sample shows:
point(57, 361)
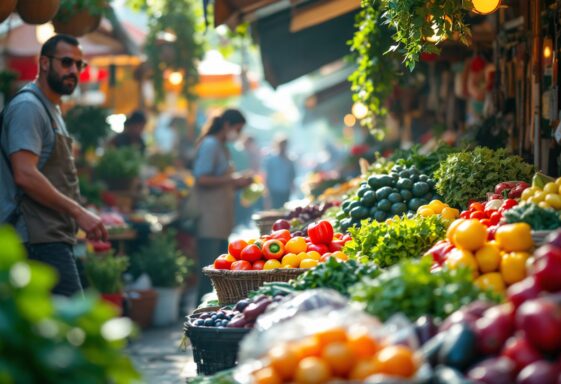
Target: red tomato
point(479, 215)
point(282, 234)
point(251, 253)
point(241, 265)
point(336, 245)
point(486, 222)
point(258, 265)
point(224, 261)
point(236, 247)
point(465, 214)
point(476, 207)
point(495, 218)
point(507, 204)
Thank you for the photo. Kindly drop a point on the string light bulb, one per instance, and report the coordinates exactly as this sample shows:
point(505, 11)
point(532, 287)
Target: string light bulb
point(485, 7)
point(359, 110)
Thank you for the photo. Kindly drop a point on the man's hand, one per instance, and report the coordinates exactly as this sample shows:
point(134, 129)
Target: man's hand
point(91, 224)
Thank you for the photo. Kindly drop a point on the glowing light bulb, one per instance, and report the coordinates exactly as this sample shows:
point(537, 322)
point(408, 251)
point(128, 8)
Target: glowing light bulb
point(484, 7)
point(349, 120)
point(359, 110)
point(175, 78)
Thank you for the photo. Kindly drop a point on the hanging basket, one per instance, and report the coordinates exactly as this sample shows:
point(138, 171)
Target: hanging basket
point(6, 8)
point(37, 12)
point(79, 24)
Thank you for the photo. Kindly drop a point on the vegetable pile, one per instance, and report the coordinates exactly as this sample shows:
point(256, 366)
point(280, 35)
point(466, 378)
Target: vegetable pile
point(540, 219)
point(467, 175)
point(403, 190)
point(546, 195)
point(388, 243)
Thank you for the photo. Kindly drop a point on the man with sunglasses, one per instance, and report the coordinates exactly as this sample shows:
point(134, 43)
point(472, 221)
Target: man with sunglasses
point(39, 185)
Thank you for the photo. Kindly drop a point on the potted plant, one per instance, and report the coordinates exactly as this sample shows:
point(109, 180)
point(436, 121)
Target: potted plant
point(88, 125)
point(119, 167)
point(79, 17)
point(37, 12)
point(104, 272)
point(167, 268)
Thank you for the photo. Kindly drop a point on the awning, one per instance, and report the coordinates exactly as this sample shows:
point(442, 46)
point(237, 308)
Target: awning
point(287, 56)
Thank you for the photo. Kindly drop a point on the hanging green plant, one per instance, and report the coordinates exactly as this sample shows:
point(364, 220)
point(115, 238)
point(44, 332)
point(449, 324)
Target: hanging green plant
point(88, 125)
point(174, 42)
point(69, 8)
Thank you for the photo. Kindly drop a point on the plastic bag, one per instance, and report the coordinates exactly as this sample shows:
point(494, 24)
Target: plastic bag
point(299, 320)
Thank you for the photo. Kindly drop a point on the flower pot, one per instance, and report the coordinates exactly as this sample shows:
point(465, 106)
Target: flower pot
point(6, 8)
point(142, 305)
point(116, 299)
point(37, 12)
point(167, 306)
point(78, 24)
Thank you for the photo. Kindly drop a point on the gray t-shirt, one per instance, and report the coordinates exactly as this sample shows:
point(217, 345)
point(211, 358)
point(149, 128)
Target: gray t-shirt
point(211, 159)
point(27, 127)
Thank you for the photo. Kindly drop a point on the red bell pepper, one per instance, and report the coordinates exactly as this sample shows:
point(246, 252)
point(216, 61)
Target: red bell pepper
point(321, 232)
point(251, 253)
point(282, 234)
point(273, 249)
point(319, 248)
point(336, 245)
point(440, 250)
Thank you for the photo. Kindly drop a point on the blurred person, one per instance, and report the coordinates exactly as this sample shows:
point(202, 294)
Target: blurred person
point(215, 184)
point(132, 135)
point(279, 173)
point(39, 194)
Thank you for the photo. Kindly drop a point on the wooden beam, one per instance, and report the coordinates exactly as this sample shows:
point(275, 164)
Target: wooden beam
point(318, 13)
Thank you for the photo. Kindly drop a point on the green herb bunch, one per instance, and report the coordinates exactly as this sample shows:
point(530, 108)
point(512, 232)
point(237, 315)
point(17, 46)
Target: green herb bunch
point(88, 125)
point(387, 243)
point(540, 219)
point(412, 289)
point(105, 271)
point(426, 163)
point(336, 275)
point(162, 261)
point(55, 340)
point(119, 164)
point(471, 174)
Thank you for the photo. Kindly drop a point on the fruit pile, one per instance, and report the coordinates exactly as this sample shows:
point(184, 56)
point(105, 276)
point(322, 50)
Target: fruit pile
point(281, 249)
point(242, 315)
point(437, 207)
point(546, 196)
point(333, 354)
point(509, 189)
point(520, 341)
point(401, 191)
point(300, 216)
point(490, 213)
point(496, 263)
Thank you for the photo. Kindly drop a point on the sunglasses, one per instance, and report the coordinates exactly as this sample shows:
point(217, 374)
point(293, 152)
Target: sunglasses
point(68, 62)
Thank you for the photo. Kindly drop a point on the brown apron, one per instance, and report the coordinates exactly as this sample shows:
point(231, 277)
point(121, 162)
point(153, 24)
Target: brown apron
point(216, 205)
point(46, 225)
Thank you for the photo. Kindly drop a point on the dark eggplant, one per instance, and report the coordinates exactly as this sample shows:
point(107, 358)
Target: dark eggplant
point(241, 305)
point(238, 321)
point(447, 375)
point(459, 348)
point(425, 329)
point(431, 348)
point(253, 310)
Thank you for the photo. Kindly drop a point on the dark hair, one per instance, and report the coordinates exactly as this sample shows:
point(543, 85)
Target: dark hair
point(230, 116)
point(49, 48)
point(137, 117)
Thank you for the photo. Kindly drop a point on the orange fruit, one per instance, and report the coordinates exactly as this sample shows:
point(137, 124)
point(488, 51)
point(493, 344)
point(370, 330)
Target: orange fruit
point(470, 235)
point(362, 369)
point(272, 264)
point(488, 258)
point(339, 357)
point(312, 370)
point(437, 206)
point(331, 335)
point(515, 237)
point(395, 360)
point(452, 230)
point(340, 255)
point(361, 343)
point(314, 255)
point(266, 376)
point(450, 213)
point(291, 259)
point(425, 211)
point(461, 258)
point(309, 346)
point(284, 359)
point(296, 245)
point(308, 263)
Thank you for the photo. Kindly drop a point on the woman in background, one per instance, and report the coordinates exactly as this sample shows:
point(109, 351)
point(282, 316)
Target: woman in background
point(215, 183)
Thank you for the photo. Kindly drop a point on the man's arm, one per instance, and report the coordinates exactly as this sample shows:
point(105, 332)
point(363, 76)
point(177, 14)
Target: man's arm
point(28, 177)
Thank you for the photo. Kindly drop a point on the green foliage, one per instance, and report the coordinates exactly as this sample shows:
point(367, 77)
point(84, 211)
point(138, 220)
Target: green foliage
point(105, 271)
point(540, 219)
point(471, 174)
point(373, 80)
point(166, 266)
point(389, 242)
point(416, 20)
point(88, 125)
point(55, 341)
point(90, 190)
point(182, 21)
point(7, 80)
point(119, 164)
point(426, 163)
point(336, 275)
point(70, 7)
point(410, 288)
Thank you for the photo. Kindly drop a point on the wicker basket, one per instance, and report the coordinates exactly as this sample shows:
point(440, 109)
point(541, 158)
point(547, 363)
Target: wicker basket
point(264, 220)
point(232, 286)
point(539, 237)
point(214, 349)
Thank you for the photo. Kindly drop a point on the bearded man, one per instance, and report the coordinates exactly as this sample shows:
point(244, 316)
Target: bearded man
point(38, 181)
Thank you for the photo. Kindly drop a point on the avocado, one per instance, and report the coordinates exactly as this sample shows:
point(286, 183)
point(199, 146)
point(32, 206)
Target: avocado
point(406, 194)
point(380, 216)
point(374, 182)
point(398, 208)
point(387, 181)
point(362, 190)
point(414, 204)
point(395, 197)
point(354, 204)
point(383, 193)
point(384, 205)
point(368, 199)
point(420, 188)
point(359, 213)
point(404, 184)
